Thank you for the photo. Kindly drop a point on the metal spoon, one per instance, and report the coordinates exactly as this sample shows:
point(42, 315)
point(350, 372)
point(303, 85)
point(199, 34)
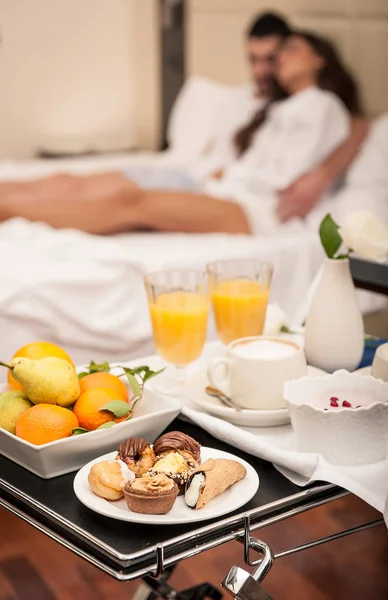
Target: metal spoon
point(211, 391)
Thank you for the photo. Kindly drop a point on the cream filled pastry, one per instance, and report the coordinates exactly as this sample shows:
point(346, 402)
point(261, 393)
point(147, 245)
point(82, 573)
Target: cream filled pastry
point(108, 478)
point(177, 456)
point(151, 495)
point(212, 479)
point(176, 465)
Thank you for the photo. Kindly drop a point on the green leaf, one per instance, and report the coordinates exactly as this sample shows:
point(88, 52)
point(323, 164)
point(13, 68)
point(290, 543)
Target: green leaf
point(342, 256)
point(107, 425)
point(330, 238)
point(135, 385)
point(101, 368)
point(143, 372)
point(79, 431)
point(285, 329)
point(151, 374)
point(118, 407)
point(83, 374)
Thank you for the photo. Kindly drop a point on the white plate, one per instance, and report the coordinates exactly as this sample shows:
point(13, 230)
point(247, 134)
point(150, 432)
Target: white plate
point(152, 415)
point(232, 499)
point(194, 390)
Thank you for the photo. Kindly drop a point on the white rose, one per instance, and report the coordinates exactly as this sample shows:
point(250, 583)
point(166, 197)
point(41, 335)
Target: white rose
point(275, 319)
point(366, 235)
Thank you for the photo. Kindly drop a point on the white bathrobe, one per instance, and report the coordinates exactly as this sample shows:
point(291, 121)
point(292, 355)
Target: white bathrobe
point(298, 134)
point(238, 108)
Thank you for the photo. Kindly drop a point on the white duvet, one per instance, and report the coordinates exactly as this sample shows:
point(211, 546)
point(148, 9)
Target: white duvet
point(86, 292)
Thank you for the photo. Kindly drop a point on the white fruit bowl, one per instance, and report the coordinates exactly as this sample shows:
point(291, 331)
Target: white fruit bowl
point(342, 436)
point(153, 414)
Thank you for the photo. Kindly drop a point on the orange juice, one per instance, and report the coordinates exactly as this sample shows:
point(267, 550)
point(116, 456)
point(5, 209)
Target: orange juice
point(179, 322)
point(239, 307)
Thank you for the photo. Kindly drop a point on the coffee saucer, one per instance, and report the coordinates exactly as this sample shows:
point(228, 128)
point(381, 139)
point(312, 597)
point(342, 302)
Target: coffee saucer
point(194, 390)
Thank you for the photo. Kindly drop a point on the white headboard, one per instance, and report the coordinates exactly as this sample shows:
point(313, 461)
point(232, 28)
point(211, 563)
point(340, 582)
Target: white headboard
point(360, 27)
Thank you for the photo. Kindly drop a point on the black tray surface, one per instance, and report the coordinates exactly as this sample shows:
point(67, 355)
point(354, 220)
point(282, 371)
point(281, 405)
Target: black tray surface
point(53, 503)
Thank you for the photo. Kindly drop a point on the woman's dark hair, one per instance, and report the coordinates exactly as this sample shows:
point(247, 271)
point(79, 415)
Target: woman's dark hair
point(333, 77)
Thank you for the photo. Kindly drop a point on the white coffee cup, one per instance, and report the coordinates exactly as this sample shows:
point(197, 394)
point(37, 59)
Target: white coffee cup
point(255, 370)
point(380, 363)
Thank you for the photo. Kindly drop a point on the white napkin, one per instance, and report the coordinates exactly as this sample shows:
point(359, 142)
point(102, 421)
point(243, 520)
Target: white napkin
point(277, 445)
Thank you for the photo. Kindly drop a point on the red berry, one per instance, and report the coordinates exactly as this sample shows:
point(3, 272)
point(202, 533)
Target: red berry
point(346, 404)
point(334, 402)
point(334, 399)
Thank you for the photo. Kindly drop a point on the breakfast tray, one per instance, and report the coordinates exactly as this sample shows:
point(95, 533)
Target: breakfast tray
point(130, 551)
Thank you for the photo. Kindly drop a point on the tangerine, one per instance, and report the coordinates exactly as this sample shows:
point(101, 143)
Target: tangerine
point(37, 350)
point(104, 380)
point(88, 411)
point(45, 423)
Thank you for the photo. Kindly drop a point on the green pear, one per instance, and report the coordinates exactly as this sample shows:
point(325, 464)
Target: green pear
point(12, 406)
point(48, 380)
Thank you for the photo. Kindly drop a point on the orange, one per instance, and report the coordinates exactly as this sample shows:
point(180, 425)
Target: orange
point(45, 423)
point(86, 409)
point(104, 380)
point(37, 350)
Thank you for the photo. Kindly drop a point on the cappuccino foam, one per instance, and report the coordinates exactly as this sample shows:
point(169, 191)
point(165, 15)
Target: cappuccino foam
point(264, 349)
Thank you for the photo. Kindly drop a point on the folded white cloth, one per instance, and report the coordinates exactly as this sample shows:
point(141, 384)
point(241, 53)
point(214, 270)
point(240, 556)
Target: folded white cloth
point(277, 445)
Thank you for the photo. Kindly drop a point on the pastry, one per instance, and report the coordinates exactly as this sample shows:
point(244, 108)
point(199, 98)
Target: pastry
point(177, 456)
point(137, 455)
point(151, 495)
point(176, 466)
point(211, 479)
point(176, 441)
point(108, 478)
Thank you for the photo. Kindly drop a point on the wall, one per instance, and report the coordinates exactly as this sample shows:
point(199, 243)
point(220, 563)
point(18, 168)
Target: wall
point(77, 74)
point(215, 49)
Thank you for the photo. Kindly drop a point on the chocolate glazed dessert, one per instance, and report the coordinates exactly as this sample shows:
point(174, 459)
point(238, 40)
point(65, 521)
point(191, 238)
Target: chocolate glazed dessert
point(177, 456)
point(137, 454)
point(176, 441)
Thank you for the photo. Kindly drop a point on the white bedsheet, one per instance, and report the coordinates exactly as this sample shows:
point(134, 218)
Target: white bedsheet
point(86, 292)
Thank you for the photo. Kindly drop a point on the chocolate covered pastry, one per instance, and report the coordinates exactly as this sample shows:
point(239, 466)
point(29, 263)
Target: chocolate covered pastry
point(107, 479)
point(151, 495)
point(211, 479)
point(176, 441)
point(137, 454)
point(177, 456)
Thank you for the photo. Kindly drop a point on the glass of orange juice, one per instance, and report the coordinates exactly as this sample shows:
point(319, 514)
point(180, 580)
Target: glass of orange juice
point(179, 304)
point(239, 291)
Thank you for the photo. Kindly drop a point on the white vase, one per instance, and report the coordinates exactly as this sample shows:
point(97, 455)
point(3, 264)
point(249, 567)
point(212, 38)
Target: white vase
point(334, 333)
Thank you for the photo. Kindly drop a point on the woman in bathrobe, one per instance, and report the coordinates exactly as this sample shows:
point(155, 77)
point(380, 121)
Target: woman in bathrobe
point(307, 119)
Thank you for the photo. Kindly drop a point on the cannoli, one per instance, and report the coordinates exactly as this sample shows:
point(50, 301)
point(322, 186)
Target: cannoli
point(211, 479)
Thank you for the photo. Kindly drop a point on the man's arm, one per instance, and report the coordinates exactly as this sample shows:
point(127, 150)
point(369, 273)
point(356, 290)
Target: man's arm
point(301, 197)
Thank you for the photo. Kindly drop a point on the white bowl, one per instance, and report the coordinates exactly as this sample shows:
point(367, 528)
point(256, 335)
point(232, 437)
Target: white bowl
point(342, 436)
point(153, 414)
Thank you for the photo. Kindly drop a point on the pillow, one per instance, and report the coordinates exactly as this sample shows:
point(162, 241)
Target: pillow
point(193, 117)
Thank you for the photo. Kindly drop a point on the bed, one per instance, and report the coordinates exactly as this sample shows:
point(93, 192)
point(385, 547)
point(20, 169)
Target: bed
point(86, 292)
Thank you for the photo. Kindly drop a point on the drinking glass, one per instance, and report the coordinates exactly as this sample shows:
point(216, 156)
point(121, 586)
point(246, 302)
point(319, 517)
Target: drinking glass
point(239, 291)
point(179, 306)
